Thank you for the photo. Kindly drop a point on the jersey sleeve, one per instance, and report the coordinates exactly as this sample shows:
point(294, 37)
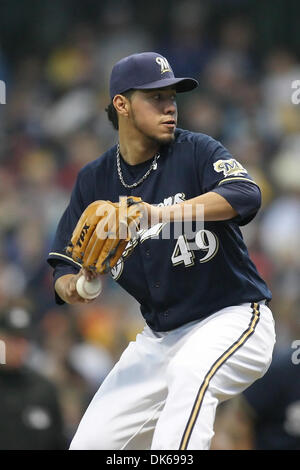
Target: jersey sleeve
point(244, 197)
point(218, 166)
point(220, 172)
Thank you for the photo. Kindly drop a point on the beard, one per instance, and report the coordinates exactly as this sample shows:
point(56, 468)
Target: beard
point(153, 139)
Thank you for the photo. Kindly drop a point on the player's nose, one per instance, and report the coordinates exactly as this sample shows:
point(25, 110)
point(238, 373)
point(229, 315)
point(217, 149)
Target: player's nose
point(170, 107)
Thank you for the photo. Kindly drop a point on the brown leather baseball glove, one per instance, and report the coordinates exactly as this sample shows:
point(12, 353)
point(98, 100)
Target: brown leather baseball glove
point(103, 232)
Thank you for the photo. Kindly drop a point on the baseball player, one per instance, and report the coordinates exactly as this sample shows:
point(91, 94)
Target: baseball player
point(208, 332)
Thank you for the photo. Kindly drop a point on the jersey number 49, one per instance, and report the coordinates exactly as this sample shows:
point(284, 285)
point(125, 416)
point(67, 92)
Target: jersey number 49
point(205, 241)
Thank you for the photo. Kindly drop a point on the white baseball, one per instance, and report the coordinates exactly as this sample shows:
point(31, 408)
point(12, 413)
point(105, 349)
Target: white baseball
point(88, 289)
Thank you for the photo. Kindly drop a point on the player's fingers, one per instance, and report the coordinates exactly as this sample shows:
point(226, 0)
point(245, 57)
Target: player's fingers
point(71, 291)
point(71, 286)
point(88, 274)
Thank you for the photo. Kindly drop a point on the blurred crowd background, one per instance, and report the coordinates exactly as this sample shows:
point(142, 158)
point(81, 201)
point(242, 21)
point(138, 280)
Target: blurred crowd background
point(55, 58)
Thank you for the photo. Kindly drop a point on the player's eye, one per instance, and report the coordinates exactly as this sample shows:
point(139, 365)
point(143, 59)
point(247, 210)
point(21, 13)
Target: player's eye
point(160, 97)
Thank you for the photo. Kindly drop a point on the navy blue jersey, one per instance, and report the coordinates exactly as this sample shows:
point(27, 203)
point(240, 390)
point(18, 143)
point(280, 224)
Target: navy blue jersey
point(175, 280)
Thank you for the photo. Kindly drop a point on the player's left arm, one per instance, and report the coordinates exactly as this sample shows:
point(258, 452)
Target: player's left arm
point(238, 201)
point(215, 207)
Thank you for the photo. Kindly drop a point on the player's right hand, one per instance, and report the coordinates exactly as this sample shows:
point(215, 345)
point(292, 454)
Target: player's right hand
point(65, 287)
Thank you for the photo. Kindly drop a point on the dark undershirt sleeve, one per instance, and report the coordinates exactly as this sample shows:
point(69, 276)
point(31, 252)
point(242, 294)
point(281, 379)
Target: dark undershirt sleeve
point(61, 269)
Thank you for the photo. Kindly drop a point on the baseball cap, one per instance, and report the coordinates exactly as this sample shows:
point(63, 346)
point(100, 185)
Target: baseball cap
point(146, 71)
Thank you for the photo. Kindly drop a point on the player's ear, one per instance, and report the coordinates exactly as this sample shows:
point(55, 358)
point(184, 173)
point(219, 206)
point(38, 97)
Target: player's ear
point(122, 105)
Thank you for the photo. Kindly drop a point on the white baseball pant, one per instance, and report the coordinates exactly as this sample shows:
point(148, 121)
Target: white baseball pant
point(163, 392)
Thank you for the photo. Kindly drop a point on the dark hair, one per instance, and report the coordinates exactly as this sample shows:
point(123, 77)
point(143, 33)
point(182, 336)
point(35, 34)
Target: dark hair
point(112, 113)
